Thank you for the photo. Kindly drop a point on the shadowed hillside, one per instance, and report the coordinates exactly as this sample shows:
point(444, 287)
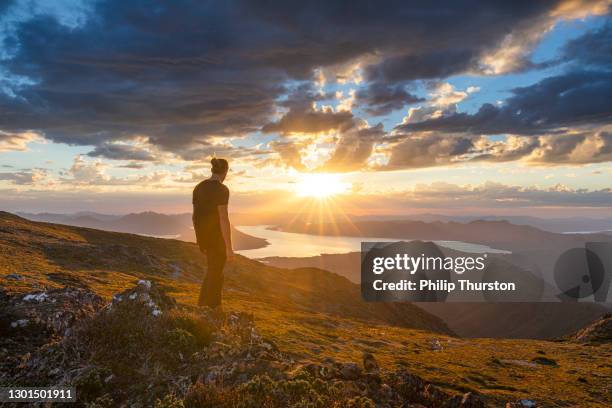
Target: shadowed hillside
point(309, 325)
point(54, 255)
point(497, 320)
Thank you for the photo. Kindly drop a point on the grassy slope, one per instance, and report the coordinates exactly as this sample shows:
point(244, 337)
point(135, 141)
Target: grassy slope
point(309, 313)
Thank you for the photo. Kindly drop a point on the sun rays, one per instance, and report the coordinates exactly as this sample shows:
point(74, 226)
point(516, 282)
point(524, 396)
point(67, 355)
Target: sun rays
point(322, 199)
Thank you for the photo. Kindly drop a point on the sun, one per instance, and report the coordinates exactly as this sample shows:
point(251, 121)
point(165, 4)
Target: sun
point(321, 185)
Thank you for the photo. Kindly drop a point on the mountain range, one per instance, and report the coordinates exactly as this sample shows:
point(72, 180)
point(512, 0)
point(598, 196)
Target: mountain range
point(177, 226)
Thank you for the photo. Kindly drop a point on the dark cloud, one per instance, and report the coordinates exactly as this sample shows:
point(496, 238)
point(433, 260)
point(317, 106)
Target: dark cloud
point(594, 48)
point(134, 166)
point(430, 150)
point(440, 64)
point(578, 96)
point(572, 99)
point(310, 121)
point(121, 152)
point(302, 117)
point(184, 71)
point(381, 99)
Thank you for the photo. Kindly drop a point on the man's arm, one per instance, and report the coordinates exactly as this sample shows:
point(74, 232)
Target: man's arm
point(226, 231)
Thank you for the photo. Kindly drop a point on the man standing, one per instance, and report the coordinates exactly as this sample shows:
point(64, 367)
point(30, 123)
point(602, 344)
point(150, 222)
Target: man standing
point(212, 228)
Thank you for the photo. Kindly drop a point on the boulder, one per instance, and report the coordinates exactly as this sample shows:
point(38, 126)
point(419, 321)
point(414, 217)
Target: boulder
point(350, 371)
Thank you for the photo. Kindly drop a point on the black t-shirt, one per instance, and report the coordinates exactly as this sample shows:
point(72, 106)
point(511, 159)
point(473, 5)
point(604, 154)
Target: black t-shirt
point(207, 196)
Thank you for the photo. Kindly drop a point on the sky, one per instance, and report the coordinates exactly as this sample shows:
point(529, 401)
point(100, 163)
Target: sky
point(462, 107)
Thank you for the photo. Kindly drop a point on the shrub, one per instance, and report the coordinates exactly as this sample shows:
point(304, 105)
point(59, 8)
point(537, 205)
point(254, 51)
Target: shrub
point(169, 401)
point(360, 402)
point(179, 341)
point(201, 395)
point(197, 325)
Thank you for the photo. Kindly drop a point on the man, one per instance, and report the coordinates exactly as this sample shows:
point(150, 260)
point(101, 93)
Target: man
point(213, 233)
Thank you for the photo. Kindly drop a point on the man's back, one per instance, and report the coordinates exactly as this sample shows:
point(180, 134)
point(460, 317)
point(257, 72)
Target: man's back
point(207, 197)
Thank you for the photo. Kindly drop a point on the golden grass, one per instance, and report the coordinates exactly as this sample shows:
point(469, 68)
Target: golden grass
point(499, 369)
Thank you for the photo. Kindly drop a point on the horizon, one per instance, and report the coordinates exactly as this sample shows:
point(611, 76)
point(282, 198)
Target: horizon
point(373, 217)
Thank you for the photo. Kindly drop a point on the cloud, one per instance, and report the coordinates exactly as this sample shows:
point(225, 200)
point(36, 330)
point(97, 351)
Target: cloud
point(25, 177)
point(353, 148)
point(310, 121)
point(486, 195)
point(289, 153)
point(427, 149)
point(380, 99)
point(571, 99)
point(579, 148)
point(17, 141)
point(578, 96)
point(180, 75)
point(116, 151)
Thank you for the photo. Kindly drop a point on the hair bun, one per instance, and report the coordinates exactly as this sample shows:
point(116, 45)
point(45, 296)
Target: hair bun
point(219, 165)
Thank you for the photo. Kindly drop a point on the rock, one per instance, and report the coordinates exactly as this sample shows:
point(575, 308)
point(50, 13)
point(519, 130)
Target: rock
point(435, 396)
point(350, 371)
point(370, 365)
point(409, 384)
point(599, 331)
point(467, 400)
point(349, 388)
point(386, 391)
point(523, 403)
point(435, 344)
point(49, 313)
point(20, 323)
point(148, 294)
point(35, 297)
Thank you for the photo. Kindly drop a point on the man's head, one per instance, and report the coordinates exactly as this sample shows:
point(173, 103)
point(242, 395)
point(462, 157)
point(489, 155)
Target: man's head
point(219, 168)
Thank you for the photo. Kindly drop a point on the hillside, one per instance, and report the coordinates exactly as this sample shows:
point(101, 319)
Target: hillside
point(310, 315)
point(495, 320)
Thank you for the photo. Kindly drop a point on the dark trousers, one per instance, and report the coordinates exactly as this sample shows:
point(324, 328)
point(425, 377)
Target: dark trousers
point(210, 292)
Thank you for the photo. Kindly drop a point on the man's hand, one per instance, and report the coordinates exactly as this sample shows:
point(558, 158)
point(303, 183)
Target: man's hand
point(229, 255)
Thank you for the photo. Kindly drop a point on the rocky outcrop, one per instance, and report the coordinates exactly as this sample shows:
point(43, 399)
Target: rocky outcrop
point(142, 347)
point(599, 331)
point(47, 313)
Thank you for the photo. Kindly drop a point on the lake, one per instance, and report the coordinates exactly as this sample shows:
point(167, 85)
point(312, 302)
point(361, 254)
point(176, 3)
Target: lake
point(293, 244)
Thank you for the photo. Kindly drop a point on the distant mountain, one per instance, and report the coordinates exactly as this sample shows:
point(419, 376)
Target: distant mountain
point(177, 226)
point(559, 225)
point(497, 234)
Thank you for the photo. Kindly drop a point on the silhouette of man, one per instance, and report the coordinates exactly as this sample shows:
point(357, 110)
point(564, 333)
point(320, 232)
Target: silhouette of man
point(212, 228)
